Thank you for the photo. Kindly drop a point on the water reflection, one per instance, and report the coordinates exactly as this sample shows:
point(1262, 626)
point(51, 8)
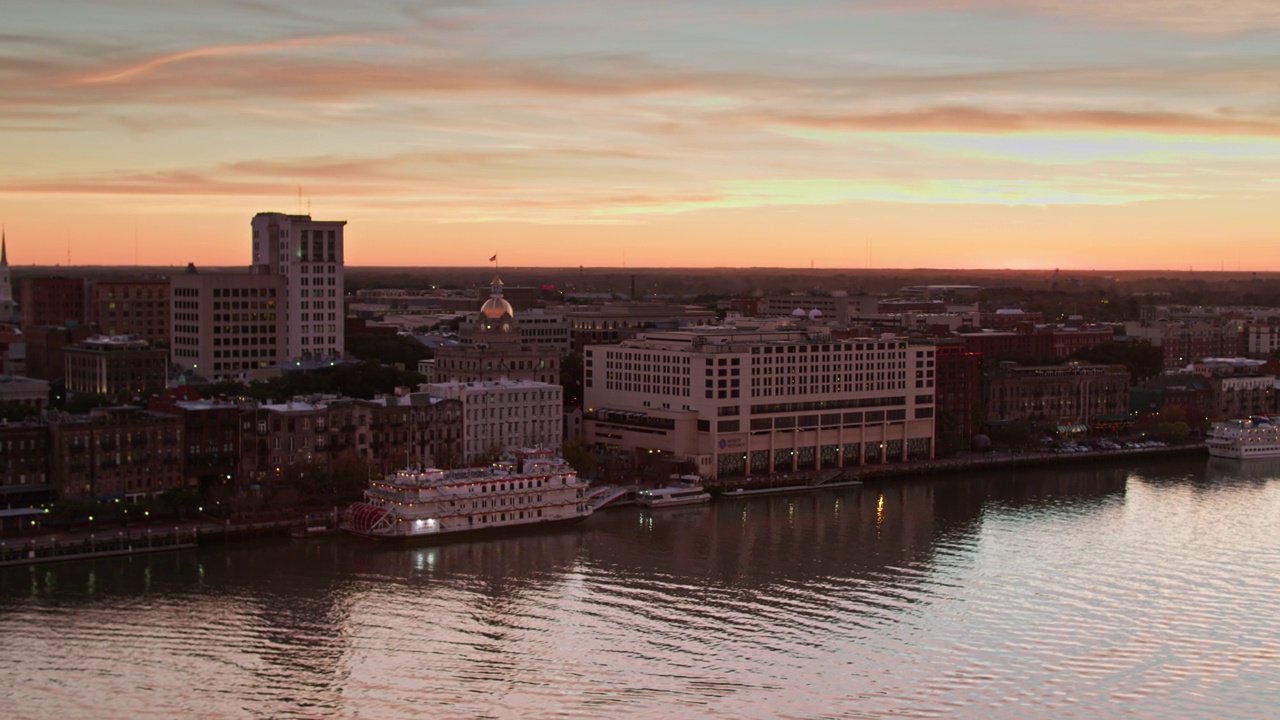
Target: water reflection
point(1226, 470)
point(1079, 590)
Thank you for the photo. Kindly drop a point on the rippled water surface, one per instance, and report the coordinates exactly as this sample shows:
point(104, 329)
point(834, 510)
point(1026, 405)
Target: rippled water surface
point(1143, 590)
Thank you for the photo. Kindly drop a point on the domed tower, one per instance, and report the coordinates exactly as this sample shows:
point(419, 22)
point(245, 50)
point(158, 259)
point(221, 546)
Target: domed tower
point(497, 322)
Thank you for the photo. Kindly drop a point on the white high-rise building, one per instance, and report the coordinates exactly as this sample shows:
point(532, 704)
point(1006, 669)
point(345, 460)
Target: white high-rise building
point(308, 255)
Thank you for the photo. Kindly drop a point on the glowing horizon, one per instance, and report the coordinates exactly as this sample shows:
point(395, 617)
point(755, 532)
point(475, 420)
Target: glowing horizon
point(966, 134)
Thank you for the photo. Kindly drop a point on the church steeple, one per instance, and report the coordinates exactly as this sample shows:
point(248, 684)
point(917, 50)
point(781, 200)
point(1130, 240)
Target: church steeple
point(6, 284)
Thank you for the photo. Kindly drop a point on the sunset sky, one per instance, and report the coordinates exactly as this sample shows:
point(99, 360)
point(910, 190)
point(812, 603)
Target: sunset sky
point(1126, 134)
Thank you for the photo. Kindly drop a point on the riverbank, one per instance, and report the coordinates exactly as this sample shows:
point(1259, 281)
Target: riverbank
point(108, 542)
point(920, 468)
point(30, 549)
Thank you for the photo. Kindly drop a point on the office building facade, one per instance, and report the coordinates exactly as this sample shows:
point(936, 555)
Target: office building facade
point(742, 403)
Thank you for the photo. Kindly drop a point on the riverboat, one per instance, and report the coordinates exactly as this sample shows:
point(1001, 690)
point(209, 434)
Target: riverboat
point(1257, 436)
point(687, 492)
point(532, 489)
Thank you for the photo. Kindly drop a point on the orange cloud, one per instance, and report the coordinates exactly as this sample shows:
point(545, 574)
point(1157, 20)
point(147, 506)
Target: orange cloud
point(961, 119)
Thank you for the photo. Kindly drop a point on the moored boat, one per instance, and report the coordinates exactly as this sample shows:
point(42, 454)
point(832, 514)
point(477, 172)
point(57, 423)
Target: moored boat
point(1257, 436)
point(534, 488)
point(687, 492)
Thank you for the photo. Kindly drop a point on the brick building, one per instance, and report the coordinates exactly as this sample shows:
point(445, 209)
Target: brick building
point(1051, 397)
point(120, 365)
point(24, 465)
point(139, 308)
point(211, 446)
point(959, 385)
point(119, 452)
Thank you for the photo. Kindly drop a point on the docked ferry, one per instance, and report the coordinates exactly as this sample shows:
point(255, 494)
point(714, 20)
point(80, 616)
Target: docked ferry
point(535, 488)
point(688, 492)
point(1257, 436)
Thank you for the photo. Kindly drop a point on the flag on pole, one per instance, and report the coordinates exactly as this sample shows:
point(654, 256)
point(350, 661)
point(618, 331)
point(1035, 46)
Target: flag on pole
point(493, 259)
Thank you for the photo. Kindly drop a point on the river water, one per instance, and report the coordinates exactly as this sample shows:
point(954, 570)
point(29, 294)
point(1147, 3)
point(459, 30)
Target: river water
point(1141, 589)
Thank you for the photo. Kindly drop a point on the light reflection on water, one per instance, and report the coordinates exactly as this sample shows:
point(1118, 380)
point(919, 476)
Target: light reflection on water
point(1145, 590)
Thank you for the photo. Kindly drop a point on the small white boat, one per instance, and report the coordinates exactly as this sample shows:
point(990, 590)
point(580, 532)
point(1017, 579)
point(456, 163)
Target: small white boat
point(688, 492)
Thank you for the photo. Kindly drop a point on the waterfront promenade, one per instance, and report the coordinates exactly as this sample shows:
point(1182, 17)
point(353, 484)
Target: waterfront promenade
point(112, 541)
point(964, 463)
point(28, 549)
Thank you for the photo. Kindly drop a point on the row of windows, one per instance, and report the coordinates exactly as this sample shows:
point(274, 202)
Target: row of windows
point(518, 411)
point(245, 305)
point(511, 396)
point(269, 340)
point(153, 291)
point(248, 353)
point(125, 306)
point(243, 317)
point(268, 292)
point(242, 330)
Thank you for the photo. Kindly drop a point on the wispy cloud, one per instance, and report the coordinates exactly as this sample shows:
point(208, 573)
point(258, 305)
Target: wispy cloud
point(220, 51)
point(961, 119)
point(606, 112)
point(1193, 16)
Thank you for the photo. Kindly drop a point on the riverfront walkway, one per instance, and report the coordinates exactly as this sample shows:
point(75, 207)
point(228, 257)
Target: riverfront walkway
point(921, 468)
point(112, 541)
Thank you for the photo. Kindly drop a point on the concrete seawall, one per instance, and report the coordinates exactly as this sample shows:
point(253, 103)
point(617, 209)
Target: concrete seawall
point(922, 468)
point(107, 542)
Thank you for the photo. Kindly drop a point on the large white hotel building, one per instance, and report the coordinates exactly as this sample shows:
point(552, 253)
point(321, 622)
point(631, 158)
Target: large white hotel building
point(750, 403)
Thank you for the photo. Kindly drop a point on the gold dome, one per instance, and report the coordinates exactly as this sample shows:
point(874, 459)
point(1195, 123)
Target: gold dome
point(495, 307)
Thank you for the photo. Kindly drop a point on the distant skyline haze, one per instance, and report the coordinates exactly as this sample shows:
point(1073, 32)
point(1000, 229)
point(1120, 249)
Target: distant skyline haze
point(1135, 134)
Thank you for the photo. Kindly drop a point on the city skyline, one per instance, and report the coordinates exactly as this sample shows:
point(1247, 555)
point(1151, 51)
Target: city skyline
point(926, 133)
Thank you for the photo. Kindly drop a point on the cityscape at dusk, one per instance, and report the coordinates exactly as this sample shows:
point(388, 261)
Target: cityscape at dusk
point(865, 134)
point(602, 359)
